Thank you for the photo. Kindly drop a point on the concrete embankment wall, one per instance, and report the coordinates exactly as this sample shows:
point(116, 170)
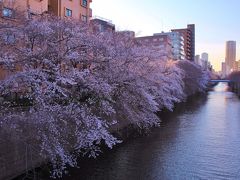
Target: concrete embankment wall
point(235, 87)
point(15, 157)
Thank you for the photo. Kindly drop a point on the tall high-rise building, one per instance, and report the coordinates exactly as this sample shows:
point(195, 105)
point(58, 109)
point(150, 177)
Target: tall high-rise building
point(230, 55)
point(77, 9)
point(188, 35)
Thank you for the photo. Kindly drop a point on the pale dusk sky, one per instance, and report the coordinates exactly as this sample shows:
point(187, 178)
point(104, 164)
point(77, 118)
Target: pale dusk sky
point(216, 21)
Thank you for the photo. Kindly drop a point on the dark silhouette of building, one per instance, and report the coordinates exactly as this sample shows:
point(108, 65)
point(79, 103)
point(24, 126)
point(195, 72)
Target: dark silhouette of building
point(102, 25)
point(189, 40)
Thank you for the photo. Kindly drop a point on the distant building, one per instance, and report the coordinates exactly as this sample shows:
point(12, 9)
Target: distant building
point(224, 69)
point(203, 61)
point(204, 56)
point(100, 24)
point(9, 7)
point(230, 56)
point(197, 60)
point(188, 35)
point(177, 43)
point(77, 9)
point(163, 42)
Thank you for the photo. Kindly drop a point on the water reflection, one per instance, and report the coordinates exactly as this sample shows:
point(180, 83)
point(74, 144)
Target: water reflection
point(200, 140)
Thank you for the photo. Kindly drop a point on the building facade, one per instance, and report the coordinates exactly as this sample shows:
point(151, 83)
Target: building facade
point(162, 42)
point(17, 9)
point(177, 43)
point(188, 35)
point(77, 9)
point(230, 58)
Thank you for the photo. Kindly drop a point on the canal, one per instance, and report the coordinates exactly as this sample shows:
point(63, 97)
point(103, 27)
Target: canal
point(200, 140)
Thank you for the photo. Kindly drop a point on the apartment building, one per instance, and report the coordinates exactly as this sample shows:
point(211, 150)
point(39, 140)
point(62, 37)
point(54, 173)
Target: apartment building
point(162, 41)
point(177, 43)
point(15, 9)
point(9, 7)
point(188, 35)
point(76, 9)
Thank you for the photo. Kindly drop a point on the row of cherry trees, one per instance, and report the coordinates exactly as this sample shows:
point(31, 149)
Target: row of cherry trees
point(67, 86)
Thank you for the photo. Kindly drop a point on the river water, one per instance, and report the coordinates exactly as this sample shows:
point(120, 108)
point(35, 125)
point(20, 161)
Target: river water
point(200, 140)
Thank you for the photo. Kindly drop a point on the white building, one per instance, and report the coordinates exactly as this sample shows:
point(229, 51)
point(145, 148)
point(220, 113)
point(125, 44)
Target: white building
point(203, 61)
point(197, 60)
point(177, 43)
point(204, 56)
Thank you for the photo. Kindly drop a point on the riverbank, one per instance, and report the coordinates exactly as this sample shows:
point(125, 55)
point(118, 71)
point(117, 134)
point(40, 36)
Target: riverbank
point(199, 140)
point(127, 134)
point(235, 87)
point(131, 136)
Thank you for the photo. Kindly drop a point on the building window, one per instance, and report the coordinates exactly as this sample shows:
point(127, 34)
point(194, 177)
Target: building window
point(84, 3)
point(6, 12)
point(84, 18)
point(68, 12)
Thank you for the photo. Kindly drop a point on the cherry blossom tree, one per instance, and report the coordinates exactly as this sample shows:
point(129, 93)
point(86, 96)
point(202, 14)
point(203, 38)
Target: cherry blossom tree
point(68, 86)
point(195, 79)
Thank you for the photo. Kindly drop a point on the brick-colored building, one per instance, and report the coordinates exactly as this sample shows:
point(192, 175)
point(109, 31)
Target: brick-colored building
point(188, 35)
point(15, 9)
point(77, 9)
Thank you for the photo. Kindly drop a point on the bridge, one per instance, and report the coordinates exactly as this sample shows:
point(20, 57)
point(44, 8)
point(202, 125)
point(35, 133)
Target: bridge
point(220, 80)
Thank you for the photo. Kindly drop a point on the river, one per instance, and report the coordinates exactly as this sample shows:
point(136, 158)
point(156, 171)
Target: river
point(200, 140)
